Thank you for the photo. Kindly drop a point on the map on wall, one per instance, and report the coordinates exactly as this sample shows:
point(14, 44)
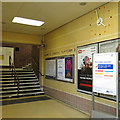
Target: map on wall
point(50, 68)
point(84, 67)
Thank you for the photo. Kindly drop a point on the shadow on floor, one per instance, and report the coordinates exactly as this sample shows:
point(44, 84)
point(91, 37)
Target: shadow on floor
point(8, 102)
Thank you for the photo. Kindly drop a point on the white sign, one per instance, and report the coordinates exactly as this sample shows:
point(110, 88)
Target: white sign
point(50, 67)
point(61, 69)
point(105, 73)
point(5, 54)
point(109, 46)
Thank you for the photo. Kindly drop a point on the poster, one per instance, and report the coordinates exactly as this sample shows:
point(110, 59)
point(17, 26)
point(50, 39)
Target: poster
point(61, 68)
point(84, 67)
point(68, 67)
point(65, 69)
point(5, 54)
point(50, 68)
point(105, 73)
point(108, 46)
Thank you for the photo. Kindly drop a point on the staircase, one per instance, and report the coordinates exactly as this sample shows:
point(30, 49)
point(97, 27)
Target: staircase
point(28, 83)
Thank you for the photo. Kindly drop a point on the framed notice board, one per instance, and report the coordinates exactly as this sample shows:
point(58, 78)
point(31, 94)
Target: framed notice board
point(108, 46)
point(84, 67)
point(50, 68)
point(60, 68)
point(65, 69)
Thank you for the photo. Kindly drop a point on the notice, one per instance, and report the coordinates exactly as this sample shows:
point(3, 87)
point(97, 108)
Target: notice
point(50, 68)
point(61, 68)
point(105, 73)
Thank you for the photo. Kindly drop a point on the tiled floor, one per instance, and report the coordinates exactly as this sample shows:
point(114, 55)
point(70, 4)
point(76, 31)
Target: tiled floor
point(41, 109)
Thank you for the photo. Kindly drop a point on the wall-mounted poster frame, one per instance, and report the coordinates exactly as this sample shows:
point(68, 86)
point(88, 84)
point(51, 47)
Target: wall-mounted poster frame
point(108, 46)
point(84, 67)
point(112, 45)
point(65, 68)
point(105, 47)
point(50, 68)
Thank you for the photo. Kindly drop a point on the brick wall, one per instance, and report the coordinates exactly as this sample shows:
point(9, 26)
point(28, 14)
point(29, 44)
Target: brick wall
point(25, 53)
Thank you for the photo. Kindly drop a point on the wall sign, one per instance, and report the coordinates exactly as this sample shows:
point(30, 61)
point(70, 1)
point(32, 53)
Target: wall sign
point(108, 46)
point(50, 68)
point(105, 73)
point(6, 56)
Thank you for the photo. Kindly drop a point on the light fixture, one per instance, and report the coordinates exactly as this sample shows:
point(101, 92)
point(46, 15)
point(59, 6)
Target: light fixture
point(27, 21)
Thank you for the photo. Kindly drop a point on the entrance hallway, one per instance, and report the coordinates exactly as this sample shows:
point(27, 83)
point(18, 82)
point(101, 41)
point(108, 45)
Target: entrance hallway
point(51, 108)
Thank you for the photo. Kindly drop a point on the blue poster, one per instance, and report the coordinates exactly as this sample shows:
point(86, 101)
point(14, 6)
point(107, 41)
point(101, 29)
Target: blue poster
point(68, 67)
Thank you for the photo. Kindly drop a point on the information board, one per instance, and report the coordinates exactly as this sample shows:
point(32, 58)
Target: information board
point(108, 46)
point(84, 66)
point(50, 68)
point(105, 73)
point(65, 69)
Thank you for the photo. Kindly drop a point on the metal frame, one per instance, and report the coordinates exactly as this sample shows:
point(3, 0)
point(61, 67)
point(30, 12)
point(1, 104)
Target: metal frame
point(79, 90)
point(117, 93)
point(73, 66)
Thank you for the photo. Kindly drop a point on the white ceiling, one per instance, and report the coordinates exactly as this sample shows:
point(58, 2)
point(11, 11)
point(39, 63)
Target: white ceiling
point(55, 14)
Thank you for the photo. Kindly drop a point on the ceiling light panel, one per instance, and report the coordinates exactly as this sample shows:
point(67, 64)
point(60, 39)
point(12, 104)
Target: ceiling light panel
point(27, 21)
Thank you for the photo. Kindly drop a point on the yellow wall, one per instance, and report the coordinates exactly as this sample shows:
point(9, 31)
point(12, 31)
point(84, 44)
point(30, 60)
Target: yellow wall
point(80, 32)
point(119, 18)
point(10, 37)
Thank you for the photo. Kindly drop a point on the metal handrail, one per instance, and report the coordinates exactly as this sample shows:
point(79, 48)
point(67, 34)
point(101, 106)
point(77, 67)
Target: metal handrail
point(37, 67)
point(16, 78)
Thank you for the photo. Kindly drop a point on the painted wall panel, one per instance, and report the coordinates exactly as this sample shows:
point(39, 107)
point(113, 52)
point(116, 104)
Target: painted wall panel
point(81, 31)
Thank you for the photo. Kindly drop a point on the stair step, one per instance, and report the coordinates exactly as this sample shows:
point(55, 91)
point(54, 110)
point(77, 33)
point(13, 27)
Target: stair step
point(12, 82)
point(21, 88)
point(22, 95)
point(26, 75)
point(23, 78)
point(27, 84)
point(18, 73)
point(12, 87)
point(17, 69)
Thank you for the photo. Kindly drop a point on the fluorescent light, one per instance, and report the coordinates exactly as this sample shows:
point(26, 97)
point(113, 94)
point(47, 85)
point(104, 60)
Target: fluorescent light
point(27, 21)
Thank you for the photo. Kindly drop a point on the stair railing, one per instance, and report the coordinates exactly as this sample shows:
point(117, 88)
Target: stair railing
point(16, 78)
point(36, 68)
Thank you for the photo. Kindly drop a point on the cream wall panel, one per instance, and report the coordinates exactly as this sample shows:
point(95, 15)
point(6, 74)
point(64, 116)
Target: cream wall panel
point(80, 32)
point(11, 37)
